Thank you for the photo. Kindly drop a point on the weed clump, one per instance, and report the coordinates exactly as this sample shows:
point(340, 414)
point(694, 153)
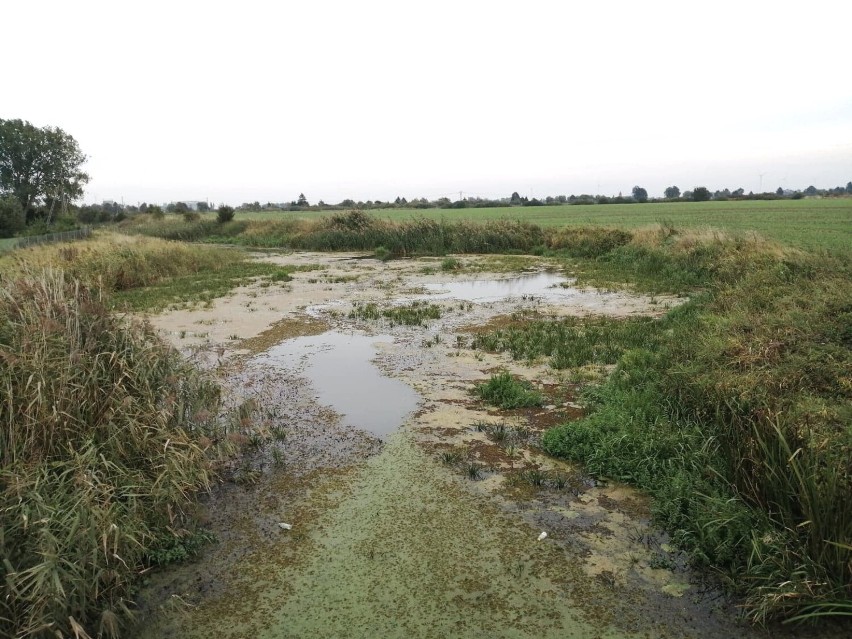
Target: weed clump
point(507, 392)
point(99, 459)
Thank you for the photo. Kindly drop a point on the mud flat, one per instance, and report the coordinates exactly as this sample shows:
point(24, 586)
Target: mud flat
point(415, 509)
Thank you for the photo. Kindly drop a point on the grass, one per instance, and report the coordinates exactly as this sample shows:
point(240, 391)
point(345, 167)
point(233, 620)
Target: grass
point(574, 342)
point(735, 414)
point(413, 314)
point(101, 454)
point(806, 223)
point(507, 392)
point(146, 274)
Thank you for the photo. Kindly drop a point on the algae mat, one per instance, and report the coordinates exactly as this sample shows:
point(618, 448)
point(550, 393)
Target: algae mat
point(409, 552)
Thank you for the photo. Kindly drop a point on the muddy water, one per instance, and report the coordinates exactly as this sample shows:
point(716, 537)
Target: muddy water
point(550, 287)
point(339, 367)
point(388, 541)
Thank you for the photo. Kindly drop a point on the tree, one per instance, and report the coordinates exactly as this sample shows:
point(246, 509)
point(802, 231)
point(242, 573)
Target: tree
point(640, 194)
point(672, 192)
point(39, 164)
point(700, 194)
point(12, 218)
point(811, 190)
point(849, 187)
point(224, 214)
point(780, 191)
point(303, 201)
point(515, 199)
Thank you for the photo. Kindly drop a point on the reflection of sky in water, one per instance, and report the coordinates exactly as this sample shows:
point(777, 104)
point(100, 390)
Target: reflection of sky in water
point(540, 285)
point(340, 369)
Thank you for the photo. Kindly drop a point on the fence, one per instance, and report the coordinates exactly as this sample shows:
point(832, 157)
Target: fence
point(65, 236)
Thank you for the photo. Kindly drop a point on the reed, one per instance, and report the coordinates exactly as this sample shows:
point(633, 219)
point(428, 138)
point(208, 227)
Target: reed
point(99, 460)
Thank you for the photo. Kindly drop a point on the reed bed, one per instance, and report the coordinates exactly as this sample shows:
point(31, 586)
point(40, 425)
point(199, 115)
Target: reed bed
point(99, 460)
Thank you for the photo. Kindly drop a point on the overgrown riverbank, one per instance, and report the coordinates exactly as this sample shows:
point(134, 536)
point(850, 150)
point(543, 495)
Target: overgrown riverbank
point(733, 411)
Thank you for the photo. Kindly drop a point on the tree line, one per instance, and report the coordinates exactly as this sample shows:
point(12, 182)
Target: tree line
point(41, 179)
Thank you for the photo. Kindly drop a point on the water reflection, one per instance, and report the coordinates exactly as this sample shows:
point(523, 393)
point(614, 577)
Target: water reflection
point(339, 367)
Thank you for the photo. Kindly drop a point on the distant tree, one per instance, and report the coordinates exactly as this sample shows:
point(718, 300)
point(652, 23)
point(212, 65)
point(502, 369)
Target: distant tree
point(348, 203)
point(143, 208)
point(700, 194)
point(738, 192)
point(515, 199)
point(181, 207)
point(12, 217)
point(39, 164)
point(155, 211)
point(203, 207)
point(302, 201)
point(640, 194)
point(224, 214)
point(672, 192)
point(849, 187)
point(811, 190)
point(780, 191)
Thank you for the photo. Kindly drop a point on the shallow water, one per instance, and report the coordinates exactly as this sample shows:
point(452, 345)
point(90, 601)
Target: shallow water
point(547, 286)
point(340, 369)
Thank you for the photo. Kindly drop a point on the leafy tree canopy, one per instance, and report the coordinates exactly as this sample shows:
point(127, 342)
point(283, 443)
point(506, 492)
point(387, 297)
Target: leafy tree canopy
point(672, 192)
point(640, 194)
point(38, 165)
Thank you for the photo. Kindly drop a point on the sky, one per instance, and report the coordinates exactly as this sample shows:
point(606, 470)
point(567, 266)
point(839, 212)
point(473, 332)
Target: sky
point(242, 101)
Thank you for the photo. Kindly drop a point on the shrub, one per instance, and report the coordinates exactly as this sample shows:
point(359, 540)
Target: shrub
point(224, 214)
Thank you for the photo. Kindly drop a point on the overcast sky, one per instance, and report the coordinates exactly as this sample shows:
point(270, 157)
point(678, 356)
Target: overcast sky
point(244, 101)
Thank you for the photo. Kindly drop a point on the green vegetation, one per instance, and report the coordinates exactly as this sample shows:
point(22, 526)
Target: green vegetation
point(806, 223)
point(148, 274)
point(507, 392)
point(733, 410)
point(100, 456)
point(413, 314)
point(574, 342)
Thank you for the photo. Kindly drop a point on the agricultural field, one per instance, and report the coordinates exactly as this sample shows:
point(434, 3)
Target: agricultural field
point(808, 223)
point(519, 429)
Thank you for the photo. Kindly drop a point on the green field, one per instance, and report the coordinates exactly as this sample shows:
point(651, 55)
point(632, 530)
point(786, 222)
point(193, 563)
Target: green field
point(808, 223)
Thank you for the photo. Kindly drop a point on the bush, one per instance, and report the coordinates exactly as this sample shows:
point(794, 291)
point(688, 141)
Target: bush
point(191, 216)
point(224, 214)
point(12, 218)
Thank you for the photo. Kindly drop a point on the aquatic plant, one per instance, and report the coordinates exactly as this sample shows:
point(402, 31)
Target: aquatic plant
point(505, 391)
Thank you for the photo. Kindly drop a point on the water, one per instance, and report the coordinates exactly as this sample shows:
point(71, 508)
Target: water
point(340, 369)
point(547, 286)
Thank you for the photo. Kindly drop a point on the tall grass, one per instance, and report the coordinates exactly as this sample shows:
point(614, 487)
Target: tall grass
point(98, 455)
point(118, 263)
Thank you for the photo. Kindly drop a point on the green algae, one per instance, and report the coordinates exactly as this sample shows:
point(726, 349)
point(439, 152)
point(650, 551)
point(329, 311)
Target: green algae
point(406, 552)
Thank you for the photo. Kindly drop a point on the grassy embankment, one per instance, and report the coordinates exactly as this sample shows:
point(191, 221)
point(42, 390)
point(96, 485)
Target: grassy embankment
point(106, 434)
point(808, 223)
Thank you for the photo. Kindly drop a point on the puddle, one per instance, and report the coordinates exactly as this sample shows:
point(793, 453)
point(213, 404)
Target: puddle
point(340, 369)
point(546, 286)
